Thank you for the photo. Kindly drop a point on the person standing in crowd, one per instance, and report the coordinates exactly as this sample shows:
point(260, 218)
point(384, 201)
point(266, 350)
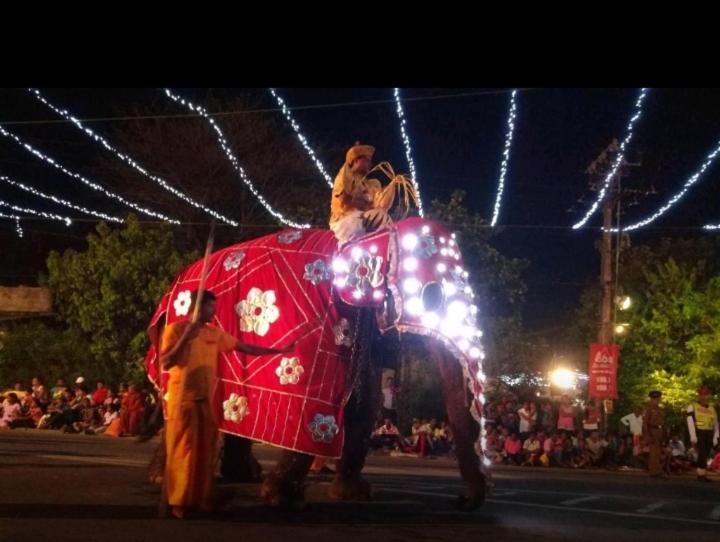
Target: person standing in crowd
point(702, 421)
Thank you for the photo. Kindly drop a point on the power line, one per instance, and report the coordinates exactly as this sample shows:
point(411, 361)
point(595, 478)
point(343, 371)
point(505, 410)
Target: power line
point(264, 110)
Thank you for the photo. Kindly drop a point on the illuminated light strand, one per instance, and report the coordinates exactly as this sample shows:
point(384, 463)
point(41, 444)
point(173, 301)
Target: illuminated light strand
point(709, 159)
point(85, 181)
point(711, 227)
point(51, 216)
point(618, 159)
point(408, 150)
point(59, 201)
point(129, 161)
point(301, 137)
point(233, 160)
point(18, 227)
point(506, 157)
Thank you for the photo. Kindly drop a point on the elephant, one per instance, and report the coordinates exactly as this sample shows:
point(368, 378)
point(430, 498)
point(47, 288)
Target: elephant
point(338, 303)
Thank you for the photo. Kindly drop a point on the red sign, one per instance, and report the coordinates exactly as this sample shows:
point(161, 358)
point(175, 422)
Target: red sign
point(603, 371)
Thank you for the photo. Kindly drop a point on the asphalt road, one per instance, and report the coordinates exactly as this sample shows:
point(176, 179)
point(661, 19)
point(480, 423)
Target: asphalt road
point(75, 487)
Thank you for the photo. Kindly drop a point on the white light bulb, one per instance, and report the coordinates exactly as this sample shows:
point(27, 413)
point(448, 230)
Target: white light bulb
point(410, 264)
point(430, 319)
point(441, 267)
point(411, 285)
point(409, 241)
point(414, 306)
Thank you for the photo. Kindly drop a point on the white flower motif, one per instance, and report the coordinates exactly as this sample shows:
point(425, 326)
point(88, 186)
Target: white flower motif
point(182, 303)
point(365, 273)
point(316, 271)
point(258, 311)
point(323, 428)
point(289, 371)
point(233, 260)
point(235, 408)
point(342, 333)
point(426, 246)
point(289, 236)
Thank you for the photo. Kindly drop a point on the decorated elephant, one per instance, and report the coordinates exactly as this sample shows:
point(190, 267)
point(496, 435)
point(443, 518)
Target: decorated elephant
point(320, 400)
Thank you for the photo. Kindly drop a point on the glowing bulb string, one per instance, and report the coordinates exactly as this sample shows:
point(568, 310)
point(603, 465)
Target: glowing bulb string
point(408, 150)
point(233, 159)
point(506, 157)
point(129, 161)
point(84, 180)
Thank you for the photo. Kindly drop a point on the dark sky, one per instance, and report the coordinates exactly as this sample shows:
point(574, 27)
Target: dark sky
point(457, 143)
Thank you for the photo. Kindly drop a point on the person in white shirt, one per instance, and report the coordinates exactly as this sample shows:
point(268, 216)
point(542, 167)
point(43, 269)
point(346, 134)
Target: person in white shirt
point(634, 421)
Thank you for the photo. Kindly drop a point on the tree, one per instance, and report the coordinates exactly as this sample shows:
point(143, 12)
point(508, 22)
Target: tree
point(108, 292)
point(38, 348)
point(673, 342)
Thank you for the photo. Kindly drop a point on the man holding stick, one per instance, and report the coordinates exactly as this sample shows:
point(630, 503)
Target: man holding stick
point(189, 351)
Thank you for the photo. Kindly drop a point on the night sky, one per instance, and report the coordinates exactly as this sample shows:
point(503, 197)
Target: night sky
point(457, 143)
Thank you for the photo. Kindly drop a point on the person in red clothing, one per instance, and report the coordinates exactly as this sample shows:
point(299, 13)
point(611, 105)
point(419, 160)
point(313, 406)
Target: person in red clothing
point(131, 411)
point(513, 450)
point(100, 394)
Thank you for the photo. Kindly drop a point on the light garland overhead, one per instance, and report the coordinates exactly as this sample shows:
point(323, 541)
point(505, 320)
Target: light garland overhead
point(59, 201)
point(51, 216)
point(709, 159)
point(301, 137)
point(85, 181)
point(129, 161)
point(408, 150)
point(18, 228)
point(506, 158)
point(233, 160)
point(618, 159)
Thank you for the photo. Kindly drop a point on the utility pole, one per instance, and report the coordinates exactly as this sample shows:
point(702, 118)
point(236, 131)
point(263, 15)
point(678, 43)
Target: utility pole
point(598, 171)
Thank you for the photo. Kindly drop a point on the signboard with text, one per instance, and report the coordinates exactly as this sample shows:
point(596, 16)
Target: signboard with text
point(602, 370)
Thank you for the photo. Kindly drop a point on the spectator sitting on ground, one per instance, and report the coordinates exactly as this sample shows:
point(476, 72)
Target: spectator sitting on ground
point(387, 435)
point(597, 447)
point(531, 451)
point(39, 392)
point(582, 458)
point(677, 456)
point(100, 394)
point(58, 389)
point(513, 450)
point(11, 411)
point(108, 416)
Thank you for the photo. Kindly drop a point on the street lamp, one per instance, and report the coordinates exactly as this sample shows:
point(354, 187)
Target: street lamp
point(623, 303)
point(621, 329)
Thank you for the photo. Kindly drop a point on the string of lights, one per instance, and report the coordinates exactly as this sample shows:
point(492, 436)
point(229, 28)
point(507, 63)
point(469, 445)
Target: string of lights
point(709, 159)
point(408, 150)
point(59, 201)
point(301, 137)
point(18, 227)
point(49, 216)
point(618, 159)
point(83, 180)
point(506, 157)
point(233, 160)
point(129, 161)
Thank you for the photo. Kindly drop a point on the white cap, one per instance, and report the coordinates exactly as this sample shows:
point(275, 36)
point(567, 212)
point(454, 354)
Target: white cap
point(79, 380)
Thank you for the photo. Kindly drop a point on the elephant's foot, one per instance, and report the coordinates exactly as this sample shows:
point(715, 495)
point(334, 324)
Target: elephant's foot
point(354, 488)
point(281, 493)
point(474, 495)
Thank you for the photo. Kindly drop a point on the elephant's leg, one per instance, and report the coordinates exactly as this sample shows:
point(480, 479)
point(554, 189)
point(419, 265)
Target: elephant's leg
point(285, 486)
point(238, 462)
point(360, 411)
point(464, 428)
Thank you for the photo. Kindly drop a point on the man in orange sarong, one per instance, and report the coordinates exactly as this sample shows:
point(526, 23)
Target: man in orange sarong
point(189, 351)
